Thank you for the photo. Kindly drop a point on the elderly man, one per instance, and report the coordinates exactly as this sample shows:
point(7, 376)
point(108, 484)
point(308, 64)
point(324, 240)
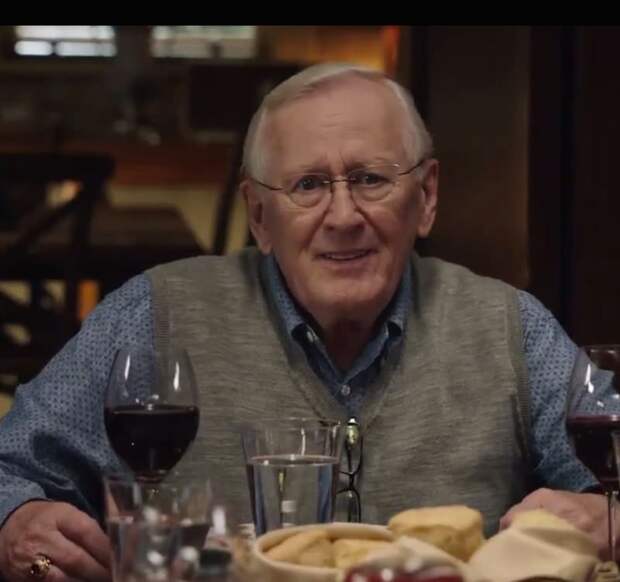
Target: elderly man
point(458, 381)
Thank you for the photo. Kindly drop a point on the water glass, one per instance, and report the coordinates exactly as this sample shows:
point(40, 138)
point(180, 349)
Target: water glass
point(293, 471)
point(149, 525)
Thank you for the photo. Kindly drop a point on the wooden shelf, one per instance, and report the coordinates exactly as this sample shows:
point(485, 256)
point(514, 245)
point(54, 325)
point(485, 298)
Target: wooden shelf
point(172, 163)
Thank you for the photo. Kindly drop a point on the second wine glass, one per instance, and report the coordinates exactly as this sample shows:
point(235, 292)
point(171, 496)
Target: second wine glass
point(593, 414)
point(151, 409)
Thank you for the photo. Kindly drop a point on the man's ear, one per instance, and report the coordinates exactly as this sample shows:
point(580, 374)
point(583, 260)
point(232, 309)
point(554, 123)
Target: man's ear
point(256, 215)
point(428, 198)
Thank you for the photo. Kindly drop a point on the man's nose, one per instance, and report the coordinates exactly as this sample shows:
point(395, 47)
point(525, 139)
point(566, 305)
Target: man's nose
point(343, 210)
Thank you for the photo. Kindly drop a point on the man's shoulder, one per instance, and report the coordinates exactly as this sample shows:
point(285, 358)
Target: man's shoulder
point(132, 294)
point(456, 278)
point(221, 280)
point(239, 263)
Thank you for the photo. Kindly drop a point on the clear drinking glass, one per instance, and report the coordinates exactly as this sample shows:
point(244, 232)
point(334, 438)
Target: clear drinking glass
point(293, 468)
point(150, 525)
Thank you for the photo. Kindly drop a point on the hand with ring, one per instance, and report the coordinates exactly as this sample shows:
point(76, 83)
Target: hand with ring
point(55, 542)
point(40, 567)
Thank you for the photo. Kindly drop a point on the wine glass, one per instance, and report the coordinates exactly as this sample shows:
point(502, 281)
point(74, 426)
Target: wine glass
point(151, 409)
point(593, 414)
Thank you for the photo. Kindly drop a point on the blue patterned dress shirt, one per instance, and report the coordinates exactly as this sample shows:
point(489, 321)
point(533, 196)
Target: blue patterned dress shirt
point(53, 442)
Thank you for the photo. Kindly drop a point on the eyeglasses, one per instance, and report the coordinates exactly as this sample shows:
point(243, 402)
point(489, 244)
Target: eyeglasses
point(349, 495)
point(367, 184)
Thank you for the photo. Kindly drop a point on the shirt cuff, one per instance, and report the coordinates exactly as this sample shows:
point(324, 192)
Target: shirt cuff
point(11, 500)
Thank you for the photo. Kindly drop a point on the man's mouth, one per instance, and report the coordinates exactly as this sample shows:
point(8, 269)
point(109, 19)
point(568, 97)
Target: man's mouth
point(345, 255)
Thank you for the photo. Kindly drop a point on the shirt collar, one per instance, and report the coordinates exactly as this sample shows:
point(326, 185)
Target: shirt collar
point(293, 319)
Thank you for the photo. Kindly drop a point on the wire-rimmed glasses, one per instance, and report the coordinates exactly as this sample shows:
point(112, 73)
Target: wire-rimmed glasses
point(367, 184)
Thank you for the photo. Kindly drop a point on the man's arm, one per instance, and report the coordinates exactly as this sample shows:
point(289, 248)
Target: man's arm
point(550, 355)
point(53, 444)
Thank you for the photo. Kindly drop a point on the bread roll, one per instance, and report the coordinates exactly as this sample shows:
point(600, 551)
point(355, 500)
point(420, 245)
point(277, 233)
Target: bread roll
point(349, 552)
point(456, 529)
point(318, 554)
point(291, 549)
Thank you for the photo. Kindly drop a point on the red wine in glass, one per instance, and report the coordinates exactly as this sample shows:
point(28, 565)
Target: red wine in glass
point(151, 440)
point(591, 436)
point(593, 415)
point(151, 410)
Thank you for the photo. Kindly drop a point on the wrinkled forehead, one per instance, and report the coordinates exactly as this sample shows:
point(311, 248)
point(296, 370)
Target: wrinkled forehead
point(358, 112)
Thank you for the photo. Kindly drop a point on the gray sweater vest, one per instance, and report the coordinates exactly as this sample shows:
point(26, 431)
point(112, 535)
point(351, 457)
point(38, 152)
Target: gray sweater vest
point(446, 422)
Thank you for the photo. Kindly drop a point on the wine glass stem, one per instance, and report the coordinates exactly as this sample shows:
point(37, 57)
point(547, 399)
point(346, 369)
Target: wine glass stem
point(611, 520)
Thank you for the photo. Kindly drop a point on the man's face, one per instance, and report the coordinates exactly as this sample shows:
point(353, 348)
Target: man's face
point(342, 259)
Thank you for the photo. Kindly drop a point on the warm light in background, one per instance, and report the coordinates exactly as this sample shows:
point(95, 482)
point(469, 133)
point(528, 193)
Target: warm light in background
point(391, 42)
point(372, 46)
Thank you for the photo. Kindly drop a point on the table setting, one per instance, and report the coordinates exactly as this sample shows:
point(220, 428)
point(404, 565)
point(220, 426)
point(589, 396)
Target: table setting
point(165, 523)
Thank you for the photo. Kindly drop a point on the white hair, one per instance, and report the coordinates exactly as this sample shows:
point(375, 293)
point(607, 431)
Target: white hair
point(417, 140)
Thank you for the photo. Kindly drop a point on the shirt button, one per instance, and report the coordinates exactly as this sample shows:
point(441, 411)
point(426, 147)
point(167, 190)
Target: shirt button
point(345, 390)
point(310, 336)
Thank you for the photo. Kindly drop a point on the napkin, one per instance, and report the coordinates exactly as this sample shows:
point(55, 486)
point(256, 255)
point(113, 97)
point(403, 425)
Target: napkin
point(517, 554)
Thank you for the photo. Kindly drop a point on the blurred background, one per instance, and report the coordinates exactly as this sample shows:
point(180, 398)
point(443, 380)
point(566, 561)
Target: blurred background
point(120, 145)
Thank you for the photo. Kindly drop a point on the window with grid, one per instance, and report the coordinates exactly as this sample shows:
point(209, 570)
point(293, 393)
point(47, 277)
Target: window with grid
point(65, 41)
point(227, 42)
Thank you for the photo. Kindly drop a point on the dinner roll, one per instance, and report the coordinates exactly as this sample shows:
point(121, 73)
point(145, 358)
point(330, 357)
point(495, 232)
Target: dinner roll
point(350, 552)
point(310, 548)
point(456, 529)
